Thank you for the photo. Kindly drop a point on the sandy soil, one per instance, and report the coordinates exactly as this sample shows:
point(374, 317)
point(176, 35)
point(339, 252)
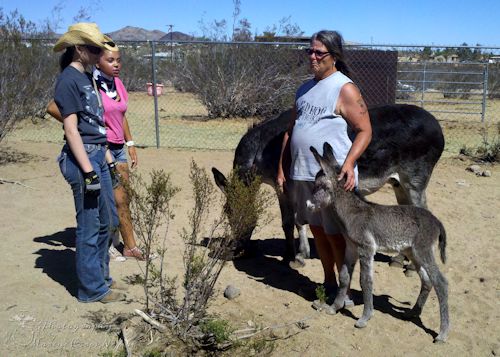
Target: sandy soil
point(39, 315)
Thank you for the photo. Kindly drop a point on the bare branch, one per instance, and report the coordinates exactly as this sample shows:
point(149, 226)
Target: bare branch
point(15, 183)
point(150, 320)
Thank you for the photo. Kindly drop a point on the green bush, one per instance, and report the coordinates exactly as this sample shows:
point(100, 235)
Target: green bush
point(321, 293)
point(220, 329)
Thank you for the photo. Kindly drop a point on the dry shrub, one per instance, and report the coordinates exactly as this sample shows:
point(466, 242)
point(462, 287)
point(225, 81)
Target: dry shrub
point(488, 150)
point(183, 309)
point(136, 63)
point(152, 211)
point(28, 69)
point(241, 80)
point(10, 155)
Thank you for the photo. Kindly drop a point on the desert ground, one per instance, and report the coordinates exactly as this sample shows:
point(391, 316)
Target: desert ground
point(40, 316)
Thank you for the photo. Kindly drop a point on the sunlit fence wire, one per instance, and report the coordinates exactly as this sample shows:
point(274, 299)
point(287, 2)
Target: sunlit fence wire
point(209, 93)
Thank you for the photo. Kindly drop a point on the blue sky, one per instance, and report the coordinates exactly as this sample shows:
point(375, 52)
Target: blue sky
point(412, 22)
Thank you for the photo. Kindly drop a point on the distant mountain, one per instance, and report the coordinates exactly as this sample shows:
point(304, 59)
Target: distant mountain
point(176, 36)
point(130, 33)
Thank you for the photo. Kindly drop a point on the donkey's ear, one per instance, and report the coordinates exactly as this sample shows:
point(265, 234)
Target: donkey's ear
point(220, 179)
point(325, 165)
point(328, 154)
point(316, 154)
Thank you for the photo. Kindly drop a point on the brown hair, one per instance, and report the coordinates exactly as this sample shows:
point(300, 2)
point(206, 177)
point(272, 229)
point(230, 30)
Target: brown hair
point(66, 58)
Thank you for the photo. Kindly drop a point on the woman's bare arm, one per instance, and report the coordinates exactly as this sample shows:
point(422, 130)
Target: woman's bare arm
point(128, 137)
point(53, 111)
point(353, 109)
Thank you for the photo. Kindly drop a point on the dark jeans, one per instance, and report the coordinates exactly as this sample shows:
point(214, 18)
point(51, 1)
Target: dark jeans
point(95, 218)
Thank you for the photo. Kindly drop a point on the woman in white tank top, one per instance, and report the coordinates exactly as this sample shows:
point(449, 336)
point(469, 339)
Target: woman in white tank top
point(324, 108)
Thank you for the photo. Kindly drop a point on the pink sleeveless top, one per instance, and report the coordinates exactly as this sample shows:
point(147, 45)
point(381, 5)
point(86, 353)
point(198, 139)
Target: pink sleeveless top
point(114, 112)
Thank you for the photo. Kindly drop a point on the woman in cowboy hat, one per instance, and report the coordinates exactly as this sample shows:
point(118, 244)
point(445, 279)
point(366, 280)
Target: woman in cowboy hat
point(114, 99)
point(82, 160)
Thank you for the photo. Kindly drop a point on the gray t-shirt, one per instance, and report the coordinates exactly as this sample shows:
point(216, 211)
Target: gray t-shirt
point(75, 94)
point(316, 123)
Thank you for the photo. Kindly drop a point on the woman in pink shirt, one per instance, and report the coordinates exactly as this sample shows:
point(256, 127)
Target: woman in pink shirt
point(115, 102)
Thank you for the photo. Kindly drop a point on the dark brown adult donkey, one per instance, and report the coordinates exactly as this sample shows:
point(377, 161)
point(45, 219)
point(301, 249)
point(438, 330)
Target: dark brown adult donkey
point(407, 142)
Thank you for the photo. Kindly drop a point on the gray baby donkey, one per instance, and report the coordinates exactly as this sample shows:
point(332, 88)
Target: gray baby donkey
point(370, 228)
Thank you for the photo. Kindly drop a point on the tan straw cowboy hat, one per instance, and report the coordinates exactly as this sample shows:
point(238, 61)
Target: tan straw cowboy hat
point(84, 33)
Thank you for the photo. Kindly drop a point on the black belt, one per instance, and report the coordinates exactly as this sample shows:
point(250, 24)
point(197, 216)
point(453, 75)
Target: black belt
point(113, 146)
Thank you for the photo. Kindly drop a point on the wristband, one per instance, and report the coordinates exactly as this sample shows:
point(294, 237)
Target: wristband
point(130, 143)
point(115, 175)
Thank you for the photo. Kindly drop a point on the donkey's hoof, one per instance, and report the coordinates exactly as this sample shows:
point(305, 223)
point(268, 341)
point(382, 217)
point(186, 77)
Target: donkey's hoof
point(348, 303)
point(397, 261)
point(304, 254)
point(319, 305)
point(330, 310)
point(361, 323)
point(410, 272)
point(323, 306)
point(439, 339)
point(297, 263)
point(396, 264)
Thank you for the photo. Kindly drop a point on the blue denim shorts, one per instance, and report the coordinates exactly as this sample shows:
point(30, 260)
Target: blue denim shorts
point(118, 151)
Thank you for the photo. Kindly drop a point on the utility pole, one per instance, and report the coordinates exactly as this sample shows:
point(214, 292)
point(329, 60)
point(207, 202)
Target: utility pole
point(170, 27)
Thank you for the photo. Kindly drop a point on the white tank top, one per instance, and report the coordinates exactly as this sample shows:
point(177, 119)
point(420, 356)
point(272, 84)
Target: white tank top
point(316, 123)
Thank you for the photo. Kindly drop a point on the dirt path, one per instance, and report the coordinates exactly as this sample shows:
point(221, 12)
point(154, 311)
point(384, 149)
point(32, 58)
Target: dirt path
point(39, 315)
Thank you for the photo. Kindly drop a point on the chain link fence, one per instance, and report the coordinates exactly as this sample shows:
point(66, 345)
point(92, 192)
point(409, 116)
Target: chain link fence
point(209, 93)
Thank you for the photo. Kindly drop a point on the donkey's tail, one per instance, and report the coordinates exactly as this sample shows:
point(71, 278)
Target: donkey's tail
point(442, 242)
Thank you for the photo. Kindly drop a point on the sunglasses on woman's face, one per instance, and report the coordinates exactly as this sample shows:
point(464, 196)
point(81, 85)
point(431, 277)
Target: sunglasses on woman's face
point(317, 53)
point(93, 49)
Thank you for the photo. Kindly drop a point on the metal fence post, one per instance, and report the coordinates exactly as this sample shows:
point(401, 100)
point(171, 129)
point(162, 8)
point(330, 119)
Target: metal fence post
point(423, 86)
point(155, 95)
point(485, 91)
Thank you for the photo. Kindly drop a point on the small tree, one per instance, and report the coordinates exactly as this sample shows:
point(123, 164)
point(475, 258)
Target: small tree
point(426, 53)
point(464, 53)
